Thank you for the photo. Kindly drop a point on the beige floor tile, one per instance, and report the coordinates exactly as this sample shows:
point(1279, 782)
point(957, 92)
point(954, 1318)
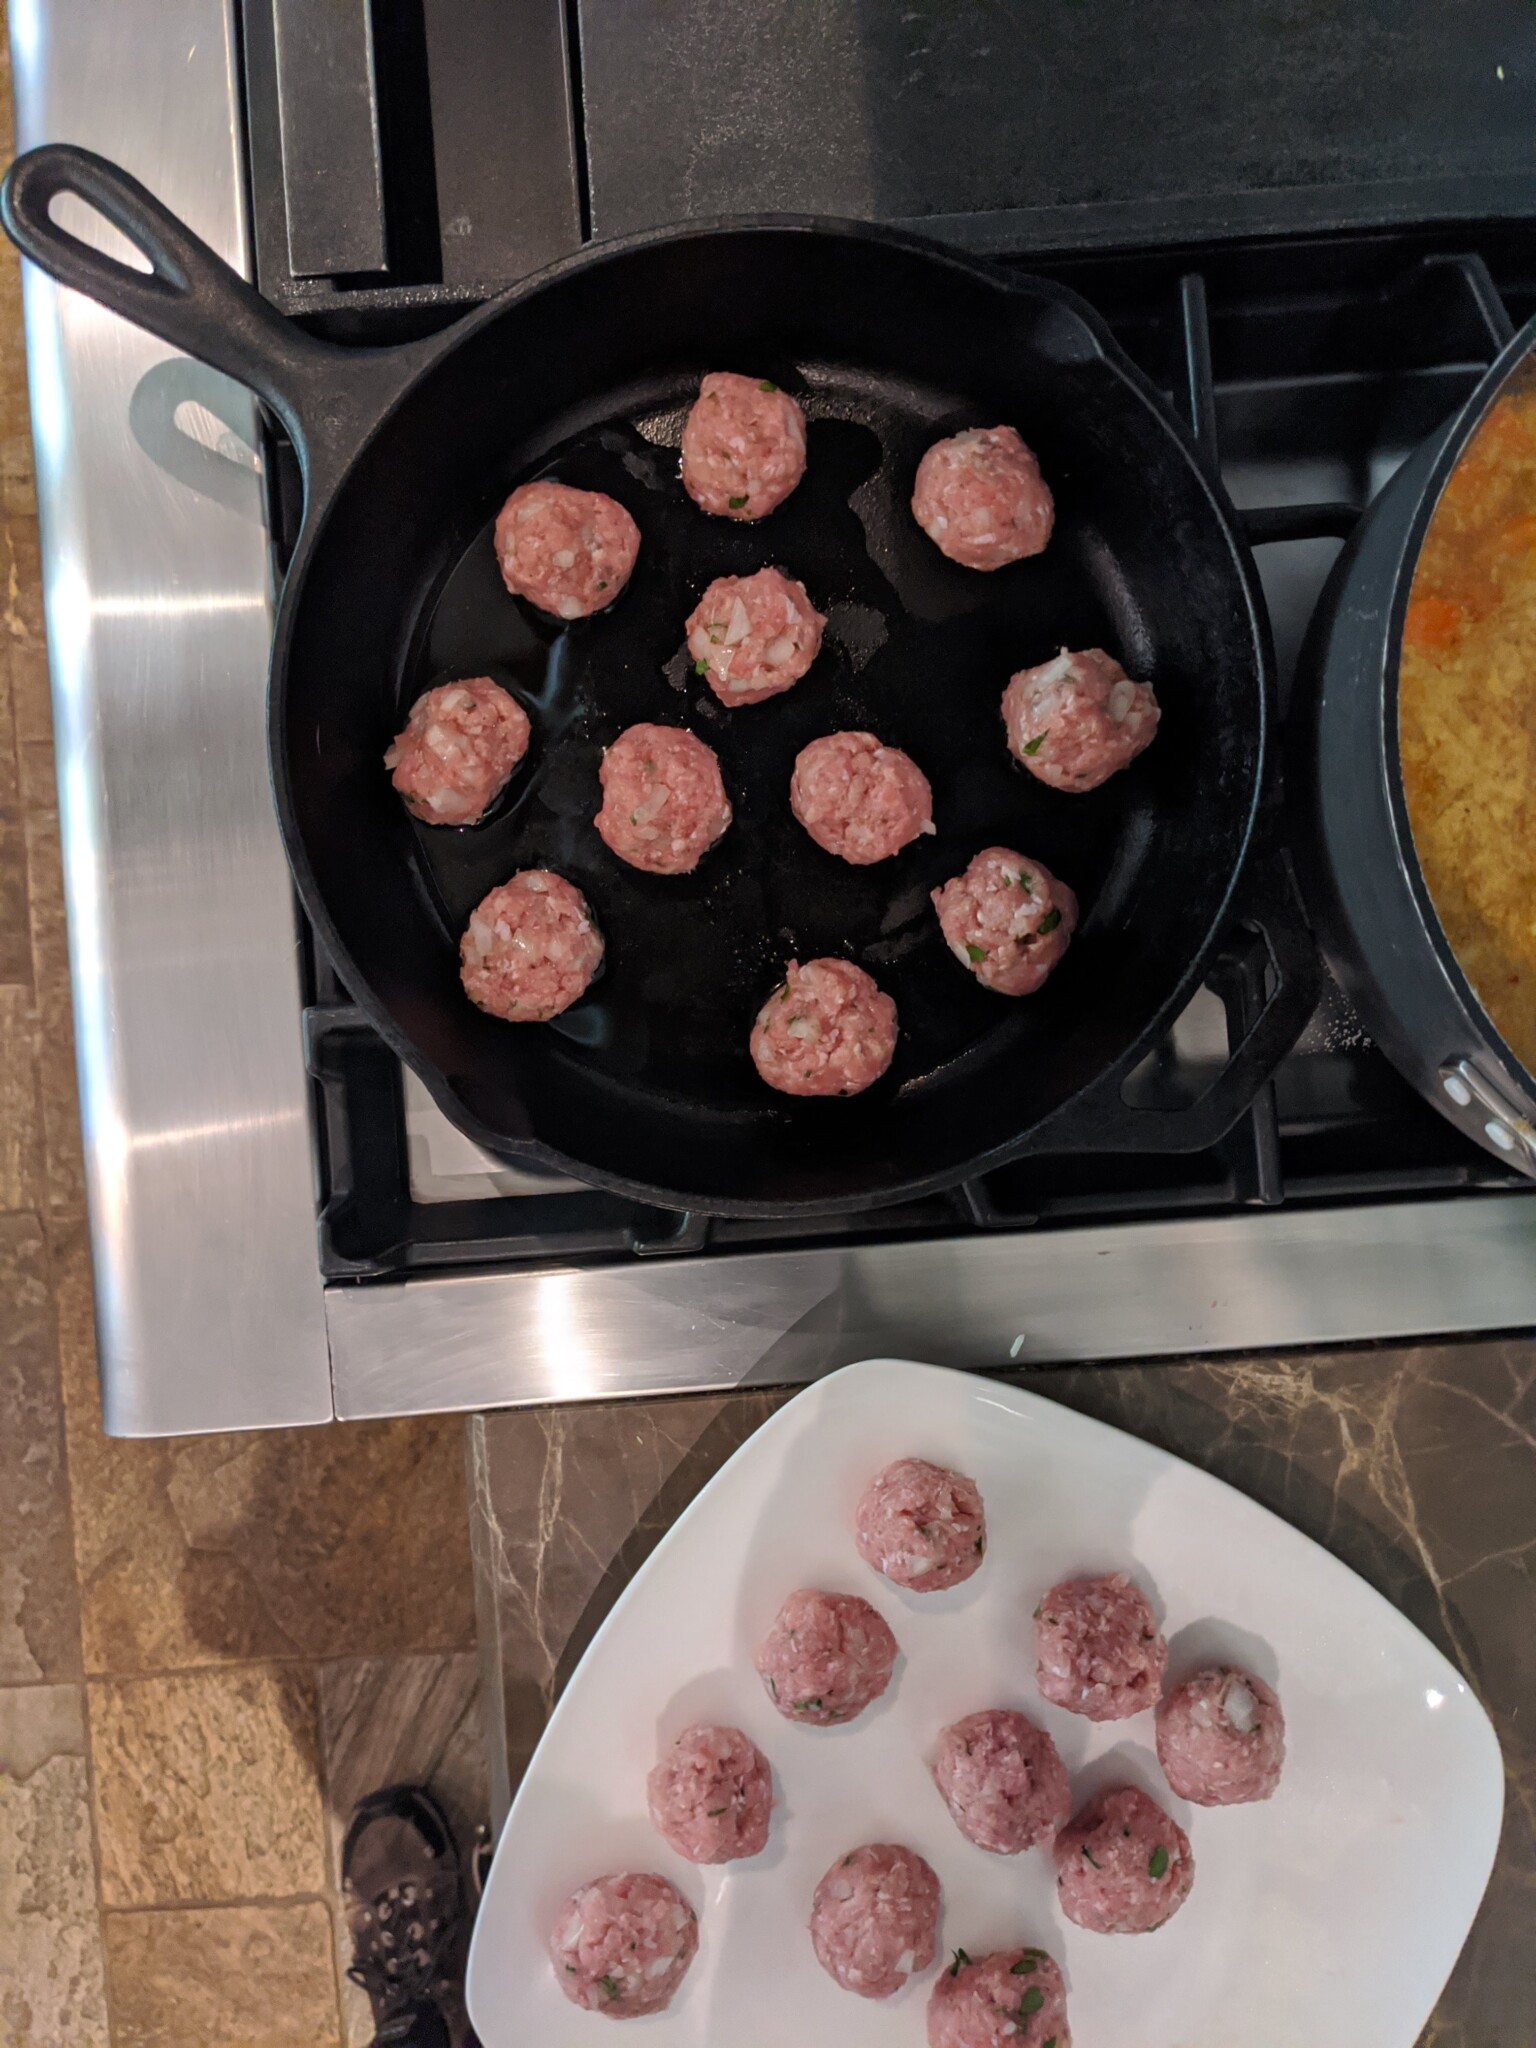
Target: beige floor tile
point(323, 1542)
point(207, 1787)
point(21, 1121)
point(15, 930)
point(226, 1977)
point(39, 1611)
point(52, 1991)
point(64, 1166)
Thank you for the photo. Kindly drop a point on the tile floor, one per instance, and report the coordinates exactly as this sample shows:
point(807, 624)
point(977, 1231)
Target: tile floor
point(210, 1647)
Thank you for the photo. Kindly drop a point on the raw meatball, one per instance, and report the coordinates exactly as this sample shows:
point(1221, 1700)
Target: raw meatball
point(1079, 719)
point(1004, 1784)
point(981, 499)
point(1122, 1866)
point(456, 755)
point(921, 1525)
point(858, 799)
point(531, 948)
point(569, 552)
point(664, 805)
point(1221, 1737)
point(1008, 919)
point(826, 1658)
point(875, 1918)
point(743, 446)
point(711, 1794)
point(1013, 1999)
point(622, 1945)
point(827, 1029)
point(1098, 1649)
point(753, 636)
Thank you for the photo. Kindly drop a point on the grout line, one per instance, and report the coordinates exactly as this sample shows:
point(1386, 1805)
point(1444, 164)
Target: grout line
point(333, 1874)
point(264, 1901)
point(51, 1267)
point(294, 1659)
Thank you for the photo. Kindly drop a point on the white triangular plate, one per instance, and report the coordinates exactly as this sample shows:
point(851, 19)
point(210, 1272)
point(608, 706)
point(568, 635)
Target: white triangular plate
point(1329, 1916)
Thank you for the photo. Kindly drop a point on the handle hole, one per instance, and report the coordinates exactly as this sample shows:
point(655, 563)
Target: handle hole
point(1181, 1066)
point(78, 218)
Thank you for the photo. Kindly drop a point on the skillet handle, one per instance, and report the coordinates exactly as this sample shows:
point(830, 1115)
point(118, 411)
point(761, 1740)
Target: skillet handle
point(323, 395)
point(1103, 1121)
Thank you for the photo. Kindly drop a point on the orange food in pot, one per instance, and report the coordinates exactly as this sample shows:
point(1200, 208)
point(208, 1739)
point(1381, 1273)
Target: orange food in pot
point(1467, 713)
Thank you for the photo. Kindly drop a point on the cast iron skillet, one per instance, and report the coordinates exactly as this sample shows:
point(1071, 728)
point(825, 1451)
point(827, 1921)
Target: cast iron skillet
point(1359, 866)
point(584, 372)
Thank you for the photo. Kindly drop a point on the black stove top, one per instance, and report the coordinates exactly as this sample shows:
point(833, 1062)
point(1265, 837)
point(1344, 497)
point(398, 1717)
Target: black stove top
point(1306, 365)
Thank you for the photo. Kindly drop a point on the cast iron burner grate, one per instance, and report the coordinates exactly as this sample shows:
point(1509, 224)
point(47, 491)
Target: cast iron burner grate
point(1306, 370)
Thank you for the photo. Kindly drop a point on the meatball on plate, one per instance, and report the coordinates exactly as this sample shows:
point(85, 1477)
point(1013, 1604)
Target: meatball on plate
point(1002, 1780)
point(1123, 1866)
point(1345, 1897)
point(1221, 1737)
point(874, 1919)
point(921, 1526)
point(621, 1946)
point(827, 1657)
point(1013, 1998)
point(1097, 1647)
point(711, 1795)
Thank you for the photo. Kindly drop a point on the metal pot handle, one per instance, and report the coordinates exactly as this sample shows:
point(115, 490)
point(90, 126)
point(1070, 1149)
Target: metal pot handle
point(1101, 1120)
point(327, 397)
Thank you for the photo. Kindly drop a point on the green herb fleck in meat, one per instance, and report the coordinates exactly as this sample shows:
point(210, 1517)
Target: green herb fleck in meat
point(1091, 1857)
point(767, 386)
point(701, 668)
point(804, 1706)
point(714, 1812)
point(962, 1962)
point(1032, 2001)
point(1027, 1964)
point(975, 952)
point(1032, 747)
point(1157, 1863)
point(1049, 922)
point(608, 1987)
point(737, 503)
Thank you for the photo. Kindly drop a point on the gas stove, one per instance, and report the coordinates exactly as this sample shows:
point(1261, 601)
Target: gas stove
point(285, 1226)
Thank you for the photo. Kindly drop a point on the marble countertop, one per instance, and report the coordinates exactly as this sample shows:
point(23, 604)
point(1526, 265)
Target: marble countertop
point(1416, 1466)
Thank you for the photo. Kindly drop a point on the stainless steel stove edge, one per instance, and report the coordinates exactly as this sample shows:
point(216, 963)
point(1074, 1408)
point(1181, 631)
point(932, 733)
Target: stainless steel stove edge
point(1260, 1280)
point(194, 1100)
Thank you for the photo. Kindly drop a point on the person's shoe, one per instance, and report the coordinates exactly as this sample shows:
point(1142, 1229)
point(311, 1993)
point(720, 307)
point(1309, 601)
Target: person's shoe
point(405, 1906)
